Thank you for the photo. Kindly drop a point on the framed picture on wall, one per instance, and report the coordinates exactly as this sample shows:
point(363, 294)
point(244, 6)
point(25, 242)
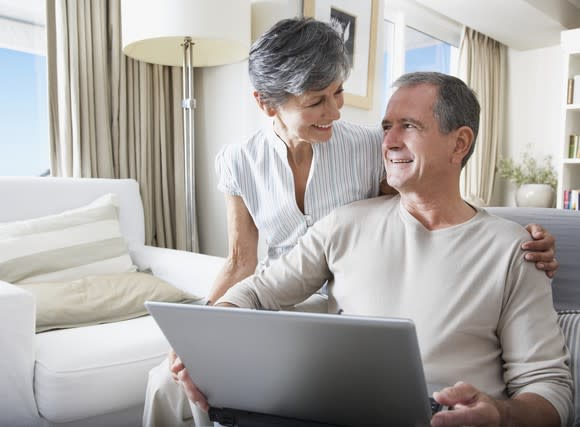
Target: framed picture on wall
point(356, 21)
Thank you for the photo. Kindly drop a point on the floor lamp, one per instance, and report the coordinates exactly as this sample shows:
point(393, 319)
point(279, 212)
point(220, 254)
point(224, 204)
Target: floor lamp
point(186, 33)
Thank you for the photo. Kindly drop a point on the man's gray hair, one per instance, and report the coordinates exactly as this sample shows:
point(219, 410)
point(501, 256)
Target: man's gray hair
point(294, 56)
point(456, 104)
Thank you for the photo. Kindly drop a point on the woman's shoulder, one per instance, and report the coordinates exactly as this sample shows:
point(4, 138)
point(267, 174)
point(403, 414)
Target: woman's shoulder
point(351, 127)
point(243, 150)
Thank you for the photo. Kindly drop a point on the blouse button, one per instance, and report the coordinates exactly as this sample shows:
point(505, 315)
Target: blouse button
point(308, 220)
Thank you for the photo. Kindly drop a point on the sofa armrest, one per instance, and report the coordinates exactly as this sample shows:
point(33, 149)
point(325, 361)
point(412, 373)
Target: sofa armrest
point(17, 332)
point(191, 272)
point(569, 321)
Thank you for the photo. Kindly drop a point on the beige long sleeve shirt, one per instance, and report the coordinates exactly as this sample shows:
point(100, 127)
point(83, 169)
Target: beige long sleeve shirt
point(483, 315)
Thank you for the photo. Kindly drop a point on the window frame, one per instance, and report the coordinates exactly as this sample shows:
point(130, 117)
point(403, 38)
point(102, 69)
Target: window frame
point(403, 14)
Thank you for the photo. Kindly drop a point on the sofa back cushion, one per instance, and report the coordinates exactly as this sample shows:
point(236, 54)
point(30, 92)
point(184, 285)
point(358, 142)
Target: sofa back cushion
point(33, 197)
point(565, 226)
point(66, 246)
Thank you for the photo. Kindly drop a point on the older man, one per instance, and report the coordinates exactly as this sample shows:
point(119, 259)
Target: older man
point(483, 315)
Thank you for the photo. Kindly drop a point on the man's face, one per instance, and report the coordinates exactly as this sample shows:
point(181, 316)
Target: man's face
point(417, 156)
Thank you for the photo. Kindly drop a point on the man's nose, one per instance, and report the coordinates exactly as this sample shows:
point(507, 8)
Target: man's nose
point(391, 139)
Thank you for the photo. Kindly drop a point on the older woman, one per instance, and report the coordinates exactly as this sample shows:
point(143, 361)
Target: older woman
point(285, 178)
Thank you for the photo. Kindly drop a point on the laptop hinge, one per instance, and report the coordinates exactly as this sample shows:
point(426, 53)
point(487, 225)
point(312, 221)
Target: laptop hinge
point(223, 416)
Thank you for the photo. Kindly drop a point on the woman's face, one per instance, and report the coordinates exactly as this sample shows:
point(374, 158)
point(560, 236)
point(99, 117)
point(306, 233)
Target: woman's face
point(308, 117)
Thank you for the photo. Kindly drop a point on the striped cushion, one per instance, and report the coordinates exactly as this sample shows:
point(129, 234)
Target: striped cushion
point(570, 323)
point(67, 246)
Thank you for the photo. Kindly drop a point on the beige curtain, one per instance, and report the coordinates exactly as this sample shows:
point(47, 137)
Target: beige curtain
point(114, 117)
point(482, 65)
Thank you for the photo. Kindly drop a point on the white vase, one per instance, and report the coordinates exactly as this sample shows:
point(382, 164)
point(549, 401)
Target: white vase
point(535, 195)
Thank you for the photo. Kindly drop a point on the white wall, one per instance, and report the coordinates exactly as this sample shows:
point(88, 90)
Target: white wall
point(226, 113)
point(534, 100)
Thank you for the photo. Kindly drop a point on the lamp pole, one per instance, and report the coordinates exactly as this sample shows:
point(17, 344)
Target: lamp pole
point(164, 33)
point(188, 105)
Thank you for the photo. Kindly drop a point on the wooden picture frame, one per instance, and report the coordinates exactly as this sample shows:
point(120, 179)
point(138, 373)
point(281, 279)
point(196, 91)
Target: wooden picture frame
point(358, 22)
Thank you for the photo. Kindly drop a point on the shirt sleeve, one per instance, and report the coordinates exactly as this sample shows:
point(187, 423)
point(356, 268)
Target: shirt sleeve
point(533, 347)
point(290, 280)
point(379, 164)
point(225, 167)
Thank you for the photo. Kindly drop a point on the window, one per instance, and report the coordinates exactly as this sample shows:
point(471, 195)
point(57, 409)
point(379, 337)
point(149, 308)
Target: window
point(418, 39)
point(426, 53)
point(24, 146)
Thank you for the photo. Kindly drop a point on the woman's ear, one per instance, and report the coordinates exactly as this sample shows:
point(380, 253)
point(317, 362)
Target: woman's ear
point(265, 107)
point(463, 143)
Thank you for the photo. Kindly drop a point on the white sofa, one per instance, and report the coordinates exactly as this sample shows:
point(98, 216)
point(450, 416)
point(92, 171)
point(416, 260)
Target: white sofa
point(92, 375)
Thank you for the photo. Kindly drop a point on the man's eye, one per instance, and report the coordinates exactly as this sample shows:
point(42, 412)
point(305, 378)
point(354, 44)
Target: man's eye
point(316, 103)
point(409, 126)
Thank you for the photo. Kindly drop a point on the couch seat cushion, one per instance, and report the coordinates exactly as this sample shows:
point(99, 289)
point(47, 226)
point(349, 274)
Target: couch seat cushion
point(94, 370)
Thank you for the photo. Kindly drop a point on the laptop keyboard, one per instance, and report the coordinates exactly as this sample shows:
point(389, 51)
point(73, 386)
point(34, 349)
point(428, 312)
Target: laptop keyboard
point(435, 406)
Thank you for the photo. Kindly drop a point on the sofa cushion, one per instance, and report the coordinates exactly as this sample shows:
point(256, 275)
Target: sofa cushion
point(570, 324)
point(65, 246)
point(99, 299)
point(93, 370)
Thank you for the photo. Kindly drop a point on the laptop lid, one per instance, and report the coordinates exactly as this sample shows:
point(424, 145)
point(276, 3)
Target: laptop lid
point(335, 369)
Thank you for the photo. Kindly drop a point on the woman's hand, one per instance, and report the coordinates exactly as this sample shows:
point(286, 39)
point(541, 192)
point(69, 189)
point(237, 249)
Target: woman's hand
point(541, 249)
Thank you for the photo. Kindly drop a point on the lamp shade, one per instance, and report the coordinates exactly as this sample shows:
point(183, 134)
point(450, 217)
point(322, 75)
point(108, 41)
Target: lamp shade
point(153, 30)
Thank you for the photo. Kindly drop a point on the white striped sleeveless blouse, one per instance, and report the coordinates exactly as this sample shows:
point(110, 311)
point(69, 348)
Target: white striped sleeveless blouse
point(346, 168)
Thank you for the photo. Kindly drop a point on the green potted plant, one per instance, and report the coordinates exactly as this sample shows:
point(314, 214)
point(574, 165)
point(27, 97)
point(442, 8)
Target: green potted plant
point(536, 183)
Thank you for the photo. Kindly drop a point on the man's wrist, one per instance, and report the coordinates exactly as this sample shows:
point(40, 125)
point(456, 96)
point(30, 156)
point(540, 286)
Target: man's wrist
point(505, 415)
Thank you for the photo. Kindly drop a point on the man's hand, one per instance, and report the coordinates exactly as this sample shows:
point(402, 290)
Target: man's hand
point(191, 390)
point(181, 376)
point(173, 361)
point(470, 407)
point(542, 249)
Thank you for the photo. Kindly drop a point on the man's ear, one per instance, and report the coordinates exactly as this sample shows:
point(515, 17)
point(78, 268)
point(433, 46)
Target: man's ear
point(463, 143)
point(265, 107)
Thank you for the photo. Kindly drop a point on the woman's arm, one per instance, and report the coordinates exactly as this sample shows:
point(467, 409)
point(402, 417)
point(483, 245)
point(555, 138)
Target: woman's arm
point(243, 248)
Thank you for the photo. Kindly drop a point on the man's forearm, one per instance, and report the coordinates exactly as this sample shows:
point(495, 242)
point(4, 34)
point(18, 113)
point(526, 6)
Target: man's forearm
point(527, 409)
point(474, 408)
point(227, 304)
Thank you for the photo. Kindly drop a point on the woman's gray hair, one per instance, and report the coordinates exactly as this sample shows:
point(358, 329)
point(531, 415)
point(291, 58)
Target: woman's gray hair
point(456, 104)
point(294, 56)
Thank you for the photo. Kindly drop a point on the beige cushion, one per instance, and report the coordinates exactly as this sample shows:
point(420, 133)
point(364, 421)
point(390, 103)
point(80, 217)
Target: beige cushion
point(67, 246)
point(99, 299)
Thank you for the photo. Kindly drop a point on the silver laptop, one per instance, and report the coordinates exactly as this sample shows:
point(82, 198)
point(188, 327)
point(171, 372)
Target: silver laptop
point(289, 368)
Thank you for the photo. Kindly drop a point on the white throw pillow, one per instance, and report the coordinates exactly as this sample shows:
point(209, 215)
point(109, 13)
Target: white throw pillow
point(67, 246)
